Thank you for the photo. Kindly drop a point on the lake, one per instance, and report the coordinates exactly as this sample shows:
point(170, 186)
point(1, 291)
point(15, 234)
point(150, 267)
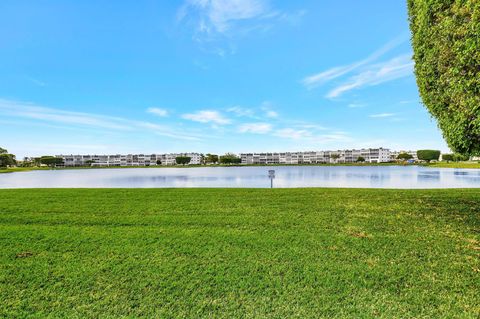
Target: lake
point(249, 176)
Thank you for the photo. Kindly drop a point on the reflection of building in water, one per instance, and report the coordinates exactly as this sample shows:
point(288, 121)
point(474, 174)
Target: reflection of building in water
point(128, 160)
point(370, 155)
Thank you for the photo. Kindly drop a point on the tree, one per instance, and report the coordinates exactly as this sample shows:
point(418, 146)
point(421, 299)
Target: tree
point(6, 159)
point(183, 160)
point(447, 157)
point(159, 162)
point(89, 162)
point(230, 158)
point(211, 158)
point(459, 157)
point(428, 155)
point(335, 157)
point(446, 45)
point(51, 161)
point(360, 159)
point(36, 161)
point(404, 156)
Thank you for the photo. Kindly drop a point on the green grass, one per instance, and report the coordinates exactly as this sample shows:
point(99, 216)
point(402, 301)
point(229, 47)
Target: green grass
point(456, 164)
point(240, 253)
point(20, 169)
point(438, 164)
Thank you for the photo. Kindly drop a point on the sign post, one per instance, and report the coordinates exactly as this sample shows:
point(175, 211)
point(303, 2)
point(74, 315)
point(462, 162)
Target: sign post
point(271, 175)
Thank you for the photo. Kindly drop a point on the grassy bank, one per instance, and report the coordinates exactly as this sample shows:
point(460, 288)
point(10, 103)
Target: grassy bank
point(456, 165)
point(439, 164)
point(304, 253)
point(21, 169)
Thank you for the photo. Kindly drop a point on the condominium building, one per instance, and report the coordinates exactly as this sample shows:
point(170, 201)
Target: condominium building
point(128, 160)
point(371, 155)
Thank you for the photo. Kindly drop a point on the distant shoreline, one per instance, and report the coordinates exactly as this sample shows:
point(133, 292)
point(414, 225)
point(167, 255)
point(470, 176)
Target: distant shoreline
point(471, 165)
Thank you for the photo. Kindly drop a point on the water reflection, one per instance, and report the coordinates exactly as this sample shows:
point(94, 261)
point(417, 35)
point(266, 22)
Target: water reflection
point(286, 176)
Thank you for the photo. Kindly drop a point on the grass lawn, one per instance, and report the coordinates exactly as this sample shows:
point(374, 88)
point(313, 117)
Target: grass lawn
point(229, 253)
point(456, 164)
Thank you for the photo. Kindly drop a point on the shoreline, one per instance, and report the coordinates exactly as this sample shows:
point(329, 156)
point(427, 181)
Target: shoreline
point(466, 165)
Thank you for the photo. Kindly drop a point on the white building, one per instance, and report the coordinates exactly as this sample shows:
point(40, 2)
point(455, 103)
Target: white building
point(371, 155)
point(128, 160)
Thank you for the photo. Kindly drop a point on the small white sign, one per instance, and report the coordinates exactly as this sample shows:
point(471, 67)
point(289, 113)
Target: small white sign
point(271, 173)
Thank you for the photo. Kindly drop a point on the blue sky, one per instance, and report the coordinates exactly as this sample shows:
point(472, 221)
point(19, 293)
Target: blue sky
point(208, 76)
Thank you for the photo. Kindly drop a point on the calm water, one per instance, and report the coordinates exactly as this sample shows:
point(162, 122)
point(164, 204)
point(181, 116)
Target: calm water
point(286, 176)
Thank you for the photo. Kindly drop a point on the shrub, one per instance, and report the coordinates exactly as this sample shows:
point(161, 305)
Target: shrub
point(446, 45)
point(460, 157)
point(230, 158)
point(404, 156)
point(447, 157)
point(51, 161)
point(182, 160)
point(428, 155)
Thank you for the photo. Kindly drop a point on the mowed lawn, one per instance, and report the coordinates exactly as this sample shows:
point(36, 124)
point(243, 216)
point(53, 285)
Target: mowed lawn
point(240, 253)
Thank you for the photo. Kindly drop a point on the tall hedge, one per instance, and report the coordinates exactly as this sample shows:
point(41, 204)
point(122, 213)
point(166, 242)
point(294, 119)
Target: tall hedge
point(446, 45)
point(428, 155)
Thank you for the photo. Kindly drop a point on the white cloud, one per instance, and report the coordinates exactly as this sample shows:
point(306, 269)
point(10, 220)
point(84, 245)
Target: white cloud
point(218, 15)
point(375, 74)
point(312, 136)
point(207, 116)
point(225, 20)
point(266, 107)
point(241, 111)
point(50, 115)
point(257, 128)
point(323, 77)
point(271, 114)
point(356, 105)
point(293, 133)
point(157, 111)
point(382, 115)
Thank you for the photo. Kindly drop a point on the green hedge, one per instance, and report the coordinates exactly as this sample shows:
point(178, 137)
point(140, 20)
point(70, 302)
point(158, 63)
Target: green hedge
point(428, 155)
point(446, 43)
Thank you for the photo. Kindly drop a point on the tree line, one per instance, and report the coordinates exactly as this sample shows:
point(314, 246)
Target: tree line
point(227, 159)
point(433, 155)
point(7, 160)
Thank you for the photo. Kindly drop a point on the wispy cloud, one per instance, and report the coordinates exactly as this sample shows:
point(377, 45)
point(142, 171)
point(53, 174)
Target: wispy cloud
point(157, 111)
point(375, 74)
point(241, 111)
point(293, 133)
point(356, 105)
point(408, 101)
point(256, 128)
point(382, 115)
point(207, 116)
point(36, 81)
point(214, 20)
point(323, 77)
point(312, 136)
point(217, 16)
point(267, 108)
point(51, 115)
